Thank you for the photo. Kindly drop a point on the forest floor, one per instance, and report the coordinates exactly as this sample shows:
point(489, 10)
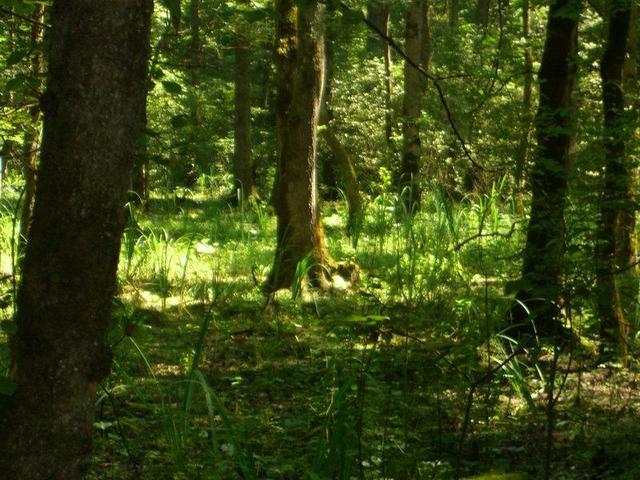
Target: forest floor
point(406, 374)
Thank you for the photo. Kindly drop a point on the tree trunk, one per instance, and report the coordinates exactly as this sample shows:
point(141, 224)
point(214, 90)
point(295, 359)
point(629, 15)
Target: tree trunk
point(626, 248)
point(418, 48)
point(242, 166)
point(540, 285)
point(299, 55)
point(340, 160)
point(140, 178)
point(195, 50)
point(482, 13)
point(617, 195)
point(92, 111)
point(388, 88)
point(453, 14)
point(522, 154)
point(7, 154)
point(379, 13)
point(32, 133)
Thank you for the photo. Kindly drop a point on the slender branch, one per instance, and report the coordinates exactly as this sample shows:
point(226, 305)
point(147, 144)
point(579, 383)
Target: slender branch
point(473, 237)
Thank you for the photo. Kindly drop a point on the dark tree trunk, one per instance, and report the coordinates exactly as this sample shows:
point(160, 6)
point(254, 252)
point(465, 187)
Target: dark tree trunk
point(617, 195)
point(299, 56)
point(339, 160)
point(540, 285)
point(482, 13)
point(32, 134)
point(418, 48)
point(522, 154)
point(92, 112)
point(242, 166)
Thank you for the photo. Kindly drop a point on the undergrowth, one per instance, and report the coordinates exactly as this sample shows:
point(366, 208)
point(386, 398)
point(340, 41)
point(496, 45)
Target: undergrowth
point(409, 374)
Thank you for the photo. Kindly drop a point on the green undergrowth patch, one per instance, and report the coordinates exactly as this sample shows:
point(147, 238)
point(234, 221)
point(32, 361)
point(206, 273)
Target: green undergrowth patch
point(407, 374)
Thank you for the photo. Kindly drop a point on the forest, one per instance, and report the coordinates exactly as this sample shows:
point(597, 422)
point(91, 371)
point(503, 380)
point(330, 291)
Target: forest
point(319, 239)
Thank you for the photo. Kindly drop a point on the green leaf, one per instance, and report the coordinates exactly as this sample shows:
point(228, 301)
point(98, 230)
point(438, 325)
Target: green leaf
point(21, 7)
point(172, 87)
point(175, 11)
point(353, 16)
point(180, 121)
point(149, 132)
point(16, 83)
point(7, 386)
point(5, 300)
point(253, 16)
point(8, 327)
point(16, 57)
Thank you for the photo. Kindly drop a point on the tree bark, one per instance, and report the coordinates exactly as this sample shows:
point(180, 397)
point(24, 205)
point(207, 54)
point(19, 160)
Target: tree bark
point(92, 107)
point(522, 154)
point(32, 133)
point(540, 284)
point(299, 54)
point(617, 194)
point(418, 48)
point(242, 165)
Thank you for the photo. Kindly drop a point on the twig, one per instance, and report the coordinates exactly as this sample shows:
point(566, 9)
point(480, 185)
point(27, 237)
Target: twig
point(475, 236)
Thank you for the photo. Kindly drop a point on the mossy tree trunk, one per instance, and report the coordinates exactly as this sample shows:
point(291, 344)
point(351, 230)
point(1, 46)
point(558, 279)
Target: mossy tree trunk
point(242, 166)
point(617, 194)
point(540, 287)
point(92, 107)
point(418, 48)
point(299, 53)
